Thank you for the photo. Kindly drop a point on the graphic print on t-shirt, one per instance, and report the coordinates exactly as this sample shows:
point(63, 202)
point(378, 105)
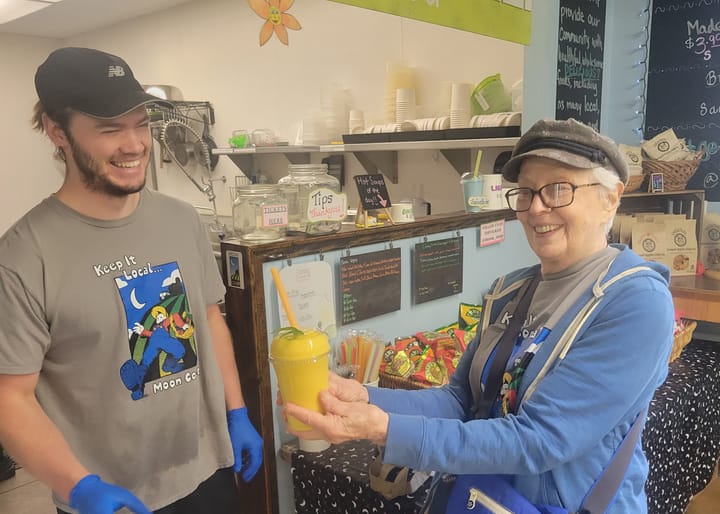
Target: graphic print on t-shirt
point(526, 346)
point(160, 327)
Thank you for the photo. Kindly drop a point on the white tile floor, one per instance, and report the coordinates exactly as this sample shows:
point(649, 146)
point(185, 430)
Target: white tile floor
point(22, 494)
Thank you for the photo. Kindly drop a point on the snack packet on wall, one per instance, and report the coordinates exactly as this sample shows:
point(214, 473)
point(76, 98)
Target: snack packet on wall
point(469, 314)
point(427, 370)
point(435, 339)
point(387, 357)
point(400, 365)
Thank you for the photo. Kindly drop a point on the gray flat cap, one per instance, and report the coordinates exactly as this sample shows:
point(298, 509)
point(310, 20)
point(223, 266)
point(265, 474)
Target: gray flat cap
point(569, 142)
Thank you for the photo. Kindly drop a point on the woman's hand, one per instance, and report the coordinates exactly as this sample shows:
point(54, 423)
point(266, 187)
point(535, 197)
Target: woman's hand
point(343, 420)
point(347, 389)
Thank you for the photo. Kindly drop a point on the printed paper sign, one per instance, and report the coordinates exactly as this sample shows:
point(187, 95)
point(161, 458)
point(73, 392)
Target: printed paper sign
point(491, 233)
point(309, 288)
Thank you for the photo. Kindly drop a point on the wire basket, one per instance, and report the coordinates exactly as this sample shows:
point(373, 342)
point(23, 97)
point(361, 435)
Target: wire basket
point(395, 382)
point(634, 183)
point(676, 174)
point(682, 339)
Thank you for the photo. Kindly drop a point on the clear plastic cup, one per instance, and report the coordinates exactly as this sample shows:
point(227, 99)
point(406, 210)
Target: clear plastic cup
point(301, 362)
point(475, 199)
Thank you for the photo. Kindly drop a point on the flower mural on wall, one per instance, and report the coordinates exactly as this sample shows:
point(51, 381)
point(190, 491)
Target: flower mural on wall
point(277, 19)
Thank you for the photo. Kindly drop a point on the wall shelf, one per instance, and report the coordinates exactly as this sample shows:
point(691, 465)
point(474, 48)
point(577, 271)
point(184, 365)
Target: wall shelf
point(244, 158)
point(374, 157)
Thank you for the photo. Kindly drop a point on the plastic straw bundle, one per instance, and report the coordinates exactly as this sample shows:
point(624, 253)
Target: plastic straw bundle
point(362, 352)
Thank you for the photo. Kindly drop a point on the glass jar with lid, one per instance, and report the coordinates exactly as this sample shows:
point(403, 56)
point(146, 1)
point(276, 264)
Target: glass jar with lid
point(321, 206)
point(260, 212)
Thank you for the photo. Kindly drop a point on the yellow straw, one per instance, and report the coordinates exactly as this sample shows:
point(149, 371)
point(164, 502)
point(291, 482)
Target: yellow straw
point(477, 163)
point(283, 297)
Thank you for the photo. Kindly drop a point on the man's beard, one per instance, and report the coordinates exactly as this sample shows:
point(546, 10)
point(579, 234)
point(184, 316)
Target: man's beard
point(92, 176)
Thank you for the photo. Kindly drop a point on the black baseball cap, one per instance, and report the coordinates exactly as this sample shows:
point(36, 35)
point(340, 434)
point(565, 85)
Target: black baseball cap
point(569, 142)
point(89, 81)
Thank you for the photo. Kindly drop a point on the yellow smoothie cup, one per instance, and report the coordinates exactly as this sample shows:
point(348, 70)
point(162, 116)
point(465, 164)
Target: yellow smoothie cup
point(301, 361)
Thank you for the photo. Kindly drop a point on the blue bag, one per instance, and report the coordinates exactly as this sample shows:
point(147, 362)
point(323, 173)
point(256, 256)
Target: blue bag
point(492, 494)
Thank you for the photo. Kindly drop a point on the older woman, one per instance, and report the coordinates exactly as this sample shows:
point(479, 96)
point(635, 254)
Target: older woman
point(550, 408)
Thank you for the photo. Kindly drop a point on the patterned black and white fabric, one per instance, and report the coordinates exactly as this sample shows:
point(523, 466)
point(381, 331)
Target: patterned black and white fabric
point(337, 481)
point(682, 433)
point(681, 440)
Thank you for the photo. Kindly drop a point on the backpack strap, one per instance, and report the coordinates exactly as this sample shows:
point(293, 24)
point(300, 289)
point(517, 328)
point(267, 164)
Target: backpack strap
point(503, 349)
point(571, 332)
point(606, 486)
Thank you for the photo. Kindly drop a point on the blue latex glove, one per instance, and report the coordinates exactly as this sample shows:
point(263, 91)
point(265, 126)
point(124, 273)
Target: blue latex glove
point(93, 496)
point(246, 442)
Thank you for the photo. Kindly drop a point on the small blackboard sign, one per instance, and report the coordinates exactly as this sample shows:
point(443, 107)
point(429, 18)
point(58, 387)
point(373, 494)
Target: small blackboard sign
point(581, 40)
point(683, 82)
point(437, 269)
point(373, 192)
point(370, 284)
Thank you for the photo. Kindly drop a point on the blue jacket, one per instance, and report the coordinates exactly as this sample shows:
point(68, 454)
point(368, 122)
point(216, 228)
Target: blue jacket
point(565, 433)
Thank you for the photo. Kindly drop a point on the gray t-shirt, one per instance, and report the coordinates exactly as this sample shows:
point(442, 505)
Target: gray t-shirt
point(112, 314)
point(555, 293)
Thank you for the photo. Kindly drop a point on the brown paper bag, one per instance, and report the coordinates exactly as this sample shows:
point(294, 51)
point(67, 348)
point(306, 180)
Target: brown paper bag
point(649, 241)
point(710, 241)
point(682, 248)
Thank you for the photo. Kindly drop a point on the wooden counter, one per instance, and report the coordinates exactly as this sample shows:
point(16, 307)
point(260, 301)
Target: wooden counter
point(246, 316)
point(697, 298)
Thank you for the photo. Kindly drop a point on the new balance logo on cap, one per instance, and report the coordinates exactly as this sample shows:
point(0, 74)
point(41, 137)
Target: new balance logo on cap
point(116, 71)
point(91, 82)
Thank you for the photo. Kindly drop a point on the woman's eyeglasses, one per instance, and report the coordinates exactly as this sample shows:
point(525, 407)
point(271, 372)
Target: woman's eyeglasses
point(557, 194)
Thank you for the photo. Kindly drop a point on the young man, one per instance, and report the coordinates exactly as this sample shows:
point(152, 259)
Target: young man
point(107, 414)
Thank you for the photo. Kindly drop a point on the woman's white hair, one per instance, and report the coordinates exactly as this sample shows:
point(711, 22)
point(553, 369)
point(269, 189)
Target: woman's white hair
point(609, 180)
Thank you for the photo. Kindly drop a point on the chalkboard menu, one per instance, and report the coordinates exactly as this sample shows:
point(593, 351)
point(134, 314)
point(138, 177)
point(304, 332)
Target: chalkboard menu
point(437, 269)
point(370, 284)
point(581, 41)
point(683, 89)
point(372, 191)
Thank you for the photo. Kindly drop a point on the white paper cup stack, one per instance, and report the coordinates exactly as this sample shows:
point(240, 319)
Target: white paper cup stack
point(443, 100)
point(460, 104)
point(431, 123)
point(492, 191)
point(397, 76)
point(334, 112)
point(314, 130)
point(356, 121)
point(404, 104)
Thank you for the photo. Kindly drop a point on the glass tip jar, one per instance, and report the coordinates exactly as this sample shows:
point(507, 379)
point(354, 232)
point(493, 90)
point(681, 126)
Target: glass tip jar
point(321, 207)
point(260, 212)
